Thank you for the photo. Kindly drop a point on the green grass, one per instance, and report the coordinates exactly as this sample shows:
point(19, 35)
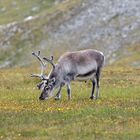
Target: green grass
point(116, 115)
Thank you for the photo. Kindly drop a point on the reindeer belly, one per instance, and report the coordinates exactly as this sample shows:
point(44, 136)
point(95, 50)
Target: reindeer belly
point(86, 71)
point(85, 76)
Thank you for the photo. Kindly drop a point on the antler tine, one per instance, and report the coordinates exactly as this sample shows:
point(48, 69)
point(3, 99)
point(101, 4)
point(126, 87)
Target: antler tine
point(50, 61)
point(38, 53)
point(41, 75)
point(36, 75)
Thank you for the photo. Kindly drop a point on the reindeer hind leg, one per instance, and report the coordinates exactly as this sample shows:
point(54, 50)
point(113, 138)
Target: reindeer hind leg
point(93, 88)
point(97, 83)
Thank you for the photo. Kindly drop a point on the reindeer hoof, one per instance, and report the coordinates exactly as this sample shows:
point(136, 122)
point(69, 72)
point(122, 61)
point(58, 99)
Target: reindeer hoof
point(57, 98)
point(93, 97)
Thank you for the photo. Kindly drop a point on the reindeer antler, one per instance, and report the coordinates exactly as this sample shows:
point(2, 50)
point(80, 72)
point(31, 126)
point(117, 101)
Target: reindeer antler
point(43, 66)
point(50, 61)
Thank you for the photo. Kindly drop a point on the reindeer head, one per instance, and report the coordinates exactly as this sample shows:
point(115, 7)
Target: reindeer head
point(47, 89)
point(47, 83)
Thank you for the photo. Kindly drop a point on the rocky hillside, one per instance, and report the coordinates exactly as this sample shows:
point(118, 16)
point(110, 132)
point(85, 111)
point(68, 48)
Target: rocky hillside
point(110, 26)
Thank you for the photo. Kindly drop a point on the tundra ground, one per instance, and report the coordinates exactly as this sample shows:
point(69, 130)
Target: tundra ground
point(116, 115)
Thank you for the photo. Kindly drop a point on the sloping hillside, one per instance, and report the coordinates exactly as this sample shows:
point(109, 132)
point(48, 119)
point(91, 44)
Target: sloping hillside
point(19, 38)
point(110, 26)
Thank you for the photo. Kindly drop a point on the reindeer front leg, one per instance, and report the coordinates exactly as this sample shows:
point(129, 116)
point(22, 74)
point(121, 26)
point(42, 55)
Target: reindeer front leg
point(58, 95)
point(69, 91)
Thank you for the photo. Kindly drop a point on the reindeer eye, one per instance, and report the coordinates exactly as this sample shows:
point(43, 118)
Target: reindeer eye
point(50, 86)
point(46, 88)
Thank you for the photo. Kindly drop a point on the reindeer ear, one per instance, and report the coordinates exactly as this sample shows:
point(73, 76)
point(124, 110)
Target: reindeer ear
point(53, 79)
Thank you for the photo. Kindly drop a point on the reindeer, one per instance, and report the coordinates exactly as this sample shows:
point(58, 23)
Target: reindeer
point(79, 65)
